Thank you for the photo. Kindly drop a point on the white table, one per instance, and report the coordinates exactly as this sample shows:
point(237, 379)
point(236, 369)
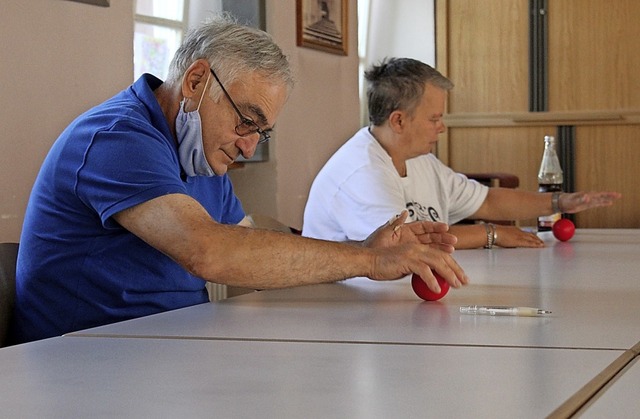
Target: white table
point(620, 398)
point(362, 349)
point(182, 378)
point(595, 259)
point(591, 309)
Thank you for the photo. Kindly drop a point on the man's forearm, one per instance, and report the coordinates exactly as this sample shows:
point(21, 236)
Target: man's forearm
point(267, 259)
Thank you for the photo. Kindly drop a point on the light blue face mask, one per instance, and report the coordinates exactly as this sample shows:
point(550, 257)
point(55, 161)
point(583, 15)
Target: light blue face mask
point(190, 146)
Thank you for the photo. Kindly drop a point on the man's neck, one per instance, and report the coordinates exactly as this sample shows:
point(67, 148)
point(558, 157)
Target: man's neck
point(389, 143)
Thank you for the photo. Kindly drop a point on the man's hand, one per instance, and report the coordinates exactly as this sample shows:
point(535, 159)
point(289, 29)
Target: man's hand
point(571, 203)
point(426, 232)
point(421, 246)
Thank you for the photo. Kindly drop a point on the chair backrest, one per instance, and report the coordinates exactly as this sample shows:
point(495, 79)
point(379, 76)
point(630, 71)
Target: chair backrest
point(270, 223)
point(492, 180)
point(8, 257)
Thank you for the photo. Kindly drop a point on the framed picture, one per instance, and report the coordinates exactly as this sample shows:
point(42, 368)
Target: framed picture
point(323, 25)
point(102, 3)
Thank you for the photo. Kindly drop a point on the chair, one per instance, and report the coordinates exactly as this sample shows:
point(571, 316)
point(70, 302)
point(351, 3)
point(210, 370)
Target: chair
point(269, 223)
point(8, 257)
point(492, 180)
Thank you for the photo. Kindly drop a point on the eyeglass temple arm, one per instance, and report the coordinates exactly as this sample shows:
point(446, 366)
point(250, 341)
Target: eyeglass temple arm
point(242, 117)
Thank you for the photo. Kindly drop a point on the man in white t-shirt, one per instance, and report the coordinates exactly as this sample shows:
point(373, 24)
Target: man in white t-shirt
point(388, 166)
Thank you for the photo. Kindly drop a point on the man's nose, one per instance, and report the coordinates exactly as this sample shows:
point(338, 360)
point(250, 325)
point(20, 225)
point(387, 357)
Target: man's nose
point(248, 144)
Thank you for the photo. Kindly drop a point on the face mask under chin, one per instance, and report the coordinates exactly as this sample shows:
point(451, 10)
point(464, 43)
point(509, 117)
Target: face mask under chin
point(190, 145)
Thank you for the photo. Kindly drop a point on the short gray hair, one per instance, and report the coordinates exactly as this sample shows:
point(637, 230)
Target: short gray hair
point(232, 50)
point(398, 84)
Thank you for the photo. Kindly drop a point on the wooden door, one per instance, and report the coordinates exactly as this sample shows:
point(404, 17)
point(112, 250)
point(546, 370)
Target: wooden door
point(593, 88)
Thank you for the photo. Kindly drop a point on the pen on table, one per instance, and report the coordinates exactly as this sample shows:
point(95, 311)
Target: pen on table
point(504, 311)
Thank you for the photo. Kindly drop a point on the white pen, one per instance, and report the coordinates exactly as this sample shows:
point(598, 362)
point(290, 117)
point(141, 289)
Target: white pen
point(503, 311)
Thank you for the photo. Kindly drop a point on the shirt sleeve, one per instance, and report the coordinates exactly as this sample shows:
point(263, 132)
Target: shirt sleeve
point(123, 167)
point(366, 200)
point(465, 196)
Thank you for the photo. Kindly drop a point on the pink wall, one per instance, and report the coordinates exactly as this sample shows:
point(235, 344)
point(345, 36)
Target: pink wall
point(58, 58)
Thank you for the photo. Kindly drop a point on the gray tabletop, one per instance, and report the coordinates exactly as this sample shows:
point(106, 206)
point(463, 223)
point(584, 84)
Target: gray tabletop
point(591, 285)
point(152, 377)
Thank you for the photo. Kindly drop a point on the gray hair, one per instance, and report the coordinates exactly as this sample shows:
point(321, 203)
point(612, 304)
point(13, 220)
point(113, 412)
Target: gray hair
point(232, 50)
point(398, 84)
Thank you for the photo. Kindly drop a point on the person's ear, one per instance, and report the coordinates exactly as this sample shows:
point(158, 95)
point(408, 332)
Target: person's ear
point(397, 121)
point(194, 78)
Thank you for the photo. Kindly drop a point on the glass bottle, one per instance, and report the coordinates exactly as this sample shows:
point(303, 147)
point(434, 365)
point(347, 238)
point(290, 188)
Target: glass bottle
point(549, 179)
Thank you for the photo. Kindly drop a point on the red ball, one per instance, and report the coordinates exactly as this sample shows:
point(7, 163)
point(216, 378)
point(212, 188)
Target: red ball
point(422, 291)
point(563, 229)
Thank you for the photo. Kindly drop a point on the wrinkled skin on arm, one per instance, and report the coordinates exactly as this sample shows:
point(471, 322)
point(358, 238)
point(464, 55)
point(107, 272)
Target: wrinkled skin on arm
point(180, 227)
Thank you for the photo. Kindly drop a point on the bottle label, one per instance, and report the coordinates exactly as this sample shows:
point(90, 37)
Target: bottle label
point(545, 223)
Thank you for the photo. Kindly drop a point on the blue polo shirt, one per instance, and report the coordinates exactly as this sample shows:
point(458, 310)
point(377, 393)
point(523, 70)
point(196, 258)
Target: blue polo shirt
point(78, 268)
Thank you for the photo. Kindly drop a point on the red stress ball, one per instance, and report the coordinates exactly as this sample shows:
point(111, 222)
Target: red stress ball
point(563, 229)
point(422, 291)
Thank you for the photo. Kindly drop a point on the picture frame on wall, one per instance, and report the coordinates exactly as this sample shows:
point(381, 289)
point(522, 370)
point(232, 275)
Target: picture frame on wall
point(323, 25)
point(101, 3)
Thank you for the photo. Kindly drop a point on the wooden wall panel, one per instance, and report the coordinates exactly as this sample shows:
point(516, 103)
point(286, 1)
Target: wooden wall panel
point(594, 85)
point(593, 55)
point(488, 34)
point(512, 150)
point(505, 149)
point(607, 159)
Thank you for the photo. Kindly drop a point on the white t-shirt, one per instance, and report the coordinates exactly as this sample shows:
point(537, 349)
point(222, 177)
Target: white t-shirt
point(359, 189)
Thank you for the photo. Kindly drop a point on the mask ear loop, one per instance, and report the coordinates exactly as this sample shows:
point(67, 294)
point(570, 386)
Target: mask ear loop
point(204, 92)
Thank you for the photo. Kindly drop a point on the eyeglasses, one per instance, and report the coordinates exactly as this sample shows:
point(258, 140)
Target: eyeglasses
point(246, 125)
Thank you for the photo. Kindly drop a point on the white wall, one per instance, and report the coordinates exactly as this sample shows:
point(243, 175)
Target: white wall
point(57, 59)
point(401, 28)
